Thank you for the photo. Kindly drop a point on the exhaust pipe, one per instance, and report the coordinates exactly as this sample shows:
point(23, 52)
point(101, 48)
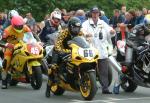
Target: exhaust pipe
point(115, 64)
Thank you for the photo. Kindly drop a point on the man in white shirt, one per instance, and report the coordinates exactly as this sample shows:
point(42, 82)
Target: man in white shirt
point(98, 33)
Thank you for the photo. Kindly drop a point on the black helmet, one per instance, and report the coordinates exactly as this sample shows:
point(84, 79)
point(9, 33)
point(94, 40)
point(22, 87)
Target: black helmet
point(74, 26)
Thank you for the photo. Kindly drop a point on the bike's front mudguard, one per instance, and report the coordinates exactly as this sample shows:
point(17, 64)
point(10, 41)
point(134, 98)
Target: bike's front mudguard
point(31, 64)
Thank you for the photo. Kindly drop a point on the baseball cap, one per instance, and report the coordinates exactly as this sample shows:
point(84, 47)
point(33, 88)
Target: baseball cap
point(95, 9)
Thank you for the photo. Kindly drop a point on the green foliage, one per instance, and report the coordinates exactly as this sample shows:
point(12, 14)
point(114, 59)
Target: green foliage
point(39, 8)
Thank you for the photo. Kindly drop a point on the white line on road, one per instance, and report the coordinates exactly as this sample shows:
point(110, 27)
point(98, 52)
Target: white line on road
point(110, 100)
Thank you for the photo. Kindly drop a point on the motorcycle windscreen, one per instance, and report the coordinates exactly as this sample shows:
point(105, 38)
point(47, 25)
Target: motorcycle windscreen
point(28, 38)
point(80, 41)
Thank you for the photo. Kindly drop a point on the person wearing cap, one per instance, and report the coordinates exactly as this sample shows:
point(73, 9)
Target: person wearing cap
point(98, 33)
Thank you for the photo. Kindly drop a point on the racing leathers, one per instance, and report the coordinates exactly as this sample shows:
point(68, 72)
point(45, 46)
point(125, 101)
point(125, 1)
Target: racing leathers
point(61, 47)
point(9, 39)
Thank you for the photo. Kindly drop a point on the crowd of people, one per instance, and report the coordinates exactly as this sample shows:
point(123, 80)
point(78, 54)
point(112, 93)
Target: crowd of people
point(99, 30)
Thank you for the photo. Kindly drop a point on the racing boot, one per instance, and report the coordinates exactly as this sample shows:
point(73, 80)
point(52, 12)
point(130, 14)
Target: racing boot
point(4, 84)
point(48, 92)
point(52, 67)
point(4, 80)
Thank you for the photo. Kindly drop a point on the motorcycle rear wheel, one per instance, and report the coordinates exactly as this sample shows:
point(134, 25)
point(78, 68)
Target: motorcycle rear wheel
point(36, 77)
point(88, 87)
point(127, 85)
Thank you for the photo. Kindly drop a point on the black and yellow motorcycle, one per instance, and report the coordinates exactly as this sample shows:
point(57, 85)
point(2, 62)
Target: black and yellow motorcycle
point(76, 72)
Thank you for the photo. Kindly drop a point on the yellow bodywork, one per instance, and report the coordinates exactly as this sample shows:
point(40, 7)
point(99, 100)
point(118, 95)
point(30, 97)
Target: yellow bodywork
point(77, 62)
point(75, 54)
point(22, 57)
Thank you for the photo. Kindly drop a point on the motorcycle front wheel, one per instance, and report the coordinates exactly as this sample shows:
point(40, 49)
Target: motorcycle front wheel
point(36, 77)
point(88, 87)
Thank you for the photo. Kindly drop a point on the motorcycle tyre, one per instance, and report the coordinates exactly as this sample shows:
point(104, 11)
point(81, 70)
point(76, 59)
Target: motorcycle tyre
point(131, 85)
point(36, 77)
point(89, 94)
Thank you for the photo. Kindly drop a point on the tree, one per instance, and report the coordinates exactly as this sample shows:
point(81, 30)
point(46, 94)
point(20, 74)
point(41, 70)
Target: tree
point(39, 8)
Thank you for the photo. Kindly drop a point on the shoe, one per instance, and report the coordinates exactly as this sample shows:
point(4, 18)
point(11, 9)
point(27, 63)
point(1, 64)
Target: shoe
point(106, 92)
point(4, 87)
point(116, 89)
point(4, 84)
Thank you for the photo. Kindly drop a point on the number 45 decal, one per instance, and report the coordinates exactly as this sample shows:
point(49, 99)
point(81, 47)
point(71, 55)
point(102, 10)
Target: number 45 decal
point(34, 50)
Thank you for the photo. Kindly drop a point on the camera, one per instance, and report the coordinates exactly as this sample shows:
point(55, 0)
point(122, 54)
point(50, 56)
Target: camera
point(100, 35)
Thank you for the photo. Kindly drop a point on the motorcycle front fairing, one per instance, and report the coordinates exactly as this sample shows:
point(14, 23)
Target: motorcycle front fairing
point(83, 55)
point(26, 49)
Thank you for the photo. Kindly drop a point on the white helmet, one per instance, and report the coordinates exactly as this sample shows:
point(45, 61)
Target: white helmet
point(12, 13)
point(56, 14)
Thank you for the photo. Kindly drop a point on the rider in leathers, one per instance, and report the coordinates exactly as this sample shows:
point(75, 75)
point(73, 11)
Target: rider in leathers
point(61, 48)
point(139, 34)
point(10, 36)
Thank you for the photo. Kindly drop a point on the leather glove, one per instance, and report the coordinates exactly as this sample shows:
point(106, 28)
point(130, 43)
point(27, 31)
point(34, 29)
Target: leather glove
point(67, 56)
point(9, 45)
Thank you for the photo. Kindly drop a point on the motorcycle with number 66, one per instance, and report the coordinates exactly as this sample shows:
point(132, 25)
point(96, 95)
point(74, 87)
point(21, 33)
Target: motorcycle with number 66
point(76, 72)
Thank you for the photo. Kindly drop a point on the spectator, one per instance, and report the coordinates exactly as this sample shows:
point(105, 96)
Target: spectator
point(123, 10)
point(148, 11)
point(30, 21)
point(121, 36)
point(2, 20)
point(65, 19)
point(139, 17)
point(130, 19)
point(145, 11)
point(36, 29)
point(104, 17)
point(98, 33)
point(81, 15)
point(72, 13)
point(116, 19)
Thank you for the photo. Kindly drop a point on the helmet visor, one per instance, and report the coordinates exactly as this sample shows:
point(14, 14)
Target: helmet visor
point(18, 27)
point(75, 29)
point(56, 20)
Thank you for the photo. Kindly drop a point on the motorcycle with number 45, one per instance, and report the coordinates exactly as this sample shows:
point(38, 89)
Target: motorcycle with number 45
point(76, 72)
point(26, 62)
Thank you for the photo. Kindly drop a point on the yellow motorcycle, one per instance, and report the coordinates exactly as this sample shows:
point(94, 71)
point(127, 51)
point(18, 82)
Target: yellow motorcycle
point(76, 72)
point(26, 62)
